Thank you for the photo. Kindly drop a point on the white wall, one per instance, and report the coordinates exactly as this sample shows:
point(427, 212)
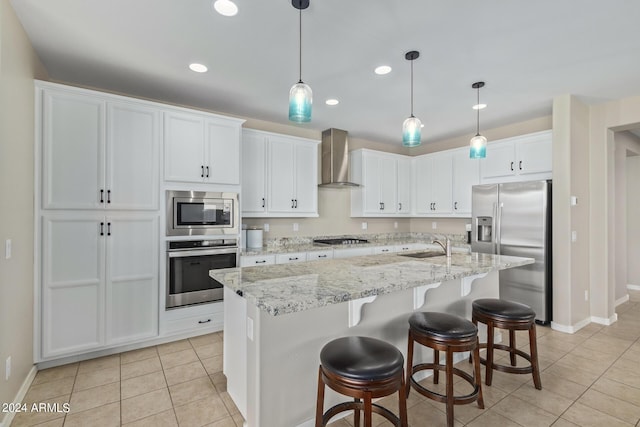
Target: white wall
point(18, 67)
point(633, 220)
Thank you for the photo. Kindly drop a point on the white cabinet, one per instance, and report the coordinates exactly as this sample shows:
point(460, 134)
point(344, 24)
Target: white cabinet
point(385, 180)
point(320, 255)
point(290, 258)
point(433, 183)
point(201, 148)
point(253, 260)
point(384, 250)
point(97, 152)
point(280, 175)
point(466, 174)
point(521, 158)
point(99, 281)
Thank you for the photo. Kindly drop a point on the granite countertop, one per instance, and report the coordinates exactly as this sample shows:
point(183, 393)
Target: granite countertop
point(309, 246)
point(289, 288)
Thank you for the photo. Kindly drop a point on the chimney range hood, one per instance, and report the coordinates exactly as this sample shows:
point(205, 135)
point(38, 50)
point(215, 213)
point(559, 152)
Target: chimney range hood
point(335, 159)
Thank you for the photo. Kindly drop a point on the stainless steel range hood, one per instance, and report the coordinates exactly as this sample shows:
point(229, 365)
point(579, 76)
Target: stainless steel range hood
point(335, 159)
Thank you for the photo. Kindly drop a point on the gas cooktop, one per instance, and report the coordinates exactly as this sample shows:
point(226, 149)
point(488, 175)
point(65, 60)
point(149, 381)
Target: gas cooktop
point(341, 241)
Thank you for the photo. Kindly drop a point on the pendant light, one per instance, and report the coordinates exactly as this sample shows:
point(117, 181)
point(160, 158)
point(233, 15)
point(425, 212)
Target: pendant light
point(412, 126)
point(478, 143)
point(300, 96)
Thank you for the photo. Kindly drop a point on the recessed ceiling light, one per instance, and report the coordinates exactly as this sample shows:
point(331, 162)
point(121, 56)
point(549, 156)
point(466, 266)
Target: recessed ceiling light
point(225, 7)
point(382, 70)
point(332, 101)
point(479, 106)
point(198, 68)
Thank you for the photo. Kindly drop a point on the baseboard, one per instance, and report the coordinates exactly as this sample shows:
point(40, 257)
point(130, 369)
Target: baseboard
point(605, 321)
point(570, 329)
point(633, 287)
point(6, 421)
point(622, 300)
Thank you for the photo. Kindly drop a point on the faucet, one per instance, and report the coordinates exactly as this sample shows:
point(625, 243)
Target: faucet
point(446, 247)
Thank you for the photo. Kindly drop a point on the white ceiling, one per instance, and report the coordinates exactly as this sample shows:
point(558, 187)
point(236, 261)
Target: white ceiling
point(527, 52)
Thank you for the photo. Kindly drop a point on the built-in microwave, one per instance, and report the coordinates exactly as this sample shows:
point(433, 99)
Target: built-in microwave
point(193, 213)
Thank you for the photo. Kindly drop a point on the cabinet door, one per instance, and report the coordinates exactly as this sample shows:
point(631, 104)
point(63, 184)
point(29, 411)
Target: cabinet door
point(388, 184)
point(132, 278)
point(253, 194)
point(281, 173)
point(183, 147)
point(72, 151)
point(72, 284)
point(466, 174)
point(422, 184)
point(499, 162)
point(371, 182)
point(534, 154)
point(223, 160)
point(132, 157)
point(404, 185)
point(441, 182)
point(306, 178)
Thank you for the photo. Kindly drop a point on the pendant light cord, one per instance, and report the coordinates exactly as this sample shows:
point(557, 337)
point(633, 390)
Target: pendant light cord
point(412, 88)
point(478, 116)
point(300, 46)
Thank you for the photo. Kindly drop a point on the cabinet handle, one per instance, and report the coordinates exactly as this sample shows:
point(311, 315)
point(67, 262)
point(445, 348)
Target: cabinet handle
point(291, 203)
point(520, 165)
point(102, 228)
point(322, 256)
point(382, 205)
point(399, 206)
point(263, 202)
point(293, 259)
point(108, 196)
point(101, 196)
point(296, 203)
point(262, 261)
point(434, 206)
point(201, 171)
point(455, 206)
point(207, 171)
point(108, 229)
point(204, 321)
point(385, 250)
point(511, 166)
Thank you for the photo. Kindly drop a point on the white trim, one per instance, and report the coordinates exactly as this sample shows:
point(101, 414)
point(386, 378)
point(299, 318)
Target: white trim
point(633, 287)
point(604, 321)
point(622, 300)
point(8, 418)
point(571, 329)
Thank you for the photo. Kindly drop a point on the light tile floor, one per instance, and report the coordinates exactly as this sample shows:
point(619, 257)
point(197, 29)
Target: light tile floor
point(591, 378)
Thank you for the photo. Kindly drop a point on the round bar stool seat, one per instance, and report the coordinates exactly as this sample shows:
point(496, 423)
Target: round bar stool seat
point(511, 316)
point(363, 368)
point(451, 334)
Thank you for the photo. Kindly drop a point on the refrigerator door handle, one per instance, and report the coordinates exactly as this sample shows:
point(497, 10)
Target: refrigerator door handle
point(499, 228)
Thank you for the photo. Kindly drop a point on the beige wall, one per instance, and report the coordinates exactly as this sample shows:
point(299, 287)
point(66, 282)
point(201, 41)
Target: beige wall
point(633, 222)
point(18, 67)
point(626, 144)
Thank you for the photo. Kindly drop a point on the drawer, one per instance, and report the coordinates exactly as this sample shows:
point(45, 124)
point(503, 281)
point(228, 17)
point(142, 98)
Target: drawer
point(319, 255)
point(384, 250)
point(291, 257)
point(252, 260)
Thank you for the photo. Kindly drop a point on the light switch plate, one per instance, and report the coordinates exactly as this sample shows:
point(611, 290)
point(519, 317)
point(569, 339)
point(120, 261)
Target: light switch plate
point(364, 225)
point(7, 249)
point(296, 227)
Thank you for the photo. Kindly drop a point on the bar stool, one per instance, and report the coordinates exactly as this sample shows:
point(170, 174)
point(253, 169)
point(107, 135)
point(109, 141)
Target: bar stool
point(451, 334)
point(512, 316)
point(362, 368)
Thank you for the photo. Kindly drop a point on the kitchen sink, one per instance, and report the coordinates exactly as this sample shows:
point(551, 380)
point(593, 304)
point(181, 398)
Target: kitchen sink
point(427, 254)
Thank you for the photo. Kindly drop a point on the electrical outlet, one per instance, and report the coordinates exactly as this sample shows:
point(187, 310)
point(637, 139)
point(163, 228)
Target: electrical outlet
point(250, 328)
point(7, 249)
point(574, 201)
point(7, 369)
point(266, 227)
point(434, 225)
point(296, 227)
point(395, 224)
point(586, 295)
point(574, 236)
point(364, 225)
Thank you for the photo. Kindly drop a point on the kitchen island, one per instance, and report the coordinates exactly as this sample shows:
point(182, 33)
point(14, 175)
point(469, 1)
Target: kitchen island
point(278, 317)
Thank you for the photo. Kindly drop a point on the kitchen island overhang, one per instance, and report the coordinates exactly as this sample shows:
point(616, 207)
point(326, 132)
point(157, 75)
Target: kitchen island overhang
point(278, 317)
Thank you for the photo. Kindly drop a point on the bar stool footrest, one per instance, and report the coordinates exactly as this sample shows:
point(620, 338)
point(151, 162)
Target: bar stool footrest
point(457, 400)
point(507, 368)
point(359, 406)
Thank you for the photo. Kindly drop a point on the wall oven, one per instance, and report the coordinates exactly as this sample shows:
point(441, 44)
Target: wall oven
point(193, 213)
point(188, 265)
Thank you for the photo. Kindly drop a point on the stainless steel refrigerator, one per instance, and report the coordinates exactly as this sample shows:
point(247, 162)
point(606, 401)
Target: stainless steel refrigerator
point(515, 219)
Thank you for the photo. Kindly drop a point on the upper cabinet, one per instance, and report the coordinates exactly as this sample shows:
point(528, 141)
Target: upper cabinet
point(433, 183)
point(385, 180)
point(279, 175)
point(466, 174)
point(98, 153)
point(521, 158)
point(201, 148)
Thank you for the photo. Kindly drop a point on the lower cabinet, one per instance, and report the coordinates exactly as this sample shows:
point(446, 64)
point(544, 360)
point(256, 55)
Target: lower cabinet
point(99, 281)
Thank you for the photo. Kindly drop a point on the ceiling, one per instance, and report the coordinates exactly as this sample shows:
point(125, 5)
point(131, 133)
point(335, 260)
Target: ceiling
point(527, 52)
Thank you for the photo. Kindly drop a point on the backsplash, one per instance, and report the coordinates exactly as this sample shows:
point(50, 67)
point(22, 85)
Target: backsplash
point(382, 238)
